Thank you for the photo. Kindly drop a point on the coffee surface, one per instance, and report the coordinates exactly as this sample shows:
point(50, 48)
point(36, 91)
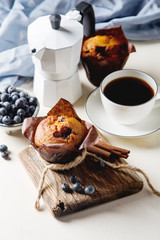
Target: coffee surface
point(128, 91)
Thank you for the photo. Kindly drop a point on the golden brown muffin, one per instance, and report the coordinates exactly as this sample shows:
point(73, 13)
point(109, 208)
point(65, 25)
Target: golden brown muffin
point(101, 46)
point(59, 129)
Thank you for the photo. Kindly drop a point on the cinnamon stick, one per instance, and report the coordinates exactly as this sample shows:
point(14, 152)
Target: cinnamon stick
point(98, 151)
point(121, 152)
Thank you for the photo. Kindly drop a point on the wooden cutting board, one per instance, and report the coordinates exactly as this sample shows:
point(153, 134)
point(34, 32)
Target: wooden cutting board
point(109, 184)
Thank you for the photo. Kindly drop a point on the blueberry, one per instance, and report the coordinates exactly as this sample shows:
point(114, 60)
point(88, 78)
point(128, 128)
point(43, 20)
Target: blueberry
point(32, 101)
point(21, 112)
point(3, 148)
point(1, 118)
point(5, 97)
point(89, 189)
point(102, 164)
point(14, 97)
point(73, 179)
point(24, 100)
point(26, 108)
point(14, 93)
point(13, 108)
point(66, 187)
point(17, 119)
point(66, 131)
point(57, 134)
point(3, 111)
point(77, 187)
point(5, 155)
point(11, 89)
point(23, 94)
point(62, 119)
point(6, 120)
point(7, 105)
point(19, 103)
point(33, 50)
point(1, 104)
point(32, 109)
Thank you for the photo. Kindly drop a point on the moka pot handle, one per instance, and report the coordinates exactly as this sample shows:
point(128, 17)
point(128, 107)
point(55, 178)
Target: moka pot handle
point(88, 18)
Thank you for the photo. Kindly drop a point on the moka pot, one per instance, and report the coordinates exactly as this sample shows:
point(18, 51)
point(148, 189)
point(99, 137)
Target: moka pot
point(55, 42)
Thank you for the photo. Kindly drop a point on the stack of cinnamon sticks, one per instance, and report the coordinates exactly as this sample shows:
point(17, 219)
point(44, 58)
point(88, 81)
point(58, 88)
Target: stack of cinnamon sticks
point(107, 151)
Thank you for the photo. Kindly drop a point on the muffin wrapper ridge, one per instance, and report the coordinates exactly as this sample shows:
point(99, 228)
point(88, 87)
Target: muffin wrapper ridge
point(60, 153)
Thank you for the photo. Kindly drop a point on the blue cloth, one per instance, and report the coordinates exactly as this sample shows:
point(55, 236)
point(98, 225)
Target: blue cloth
point(140, 20)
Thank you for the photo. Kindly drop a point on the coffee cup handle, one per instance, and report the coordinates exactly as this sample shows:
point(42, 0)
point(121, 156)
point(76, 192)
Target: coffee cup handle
point(157, 103)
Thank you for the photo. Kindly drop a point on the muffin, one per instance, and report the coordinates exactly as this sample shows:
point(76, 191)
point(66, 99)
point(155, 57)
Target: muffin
point(60, 136)
point(104, 53)
point(60, 129)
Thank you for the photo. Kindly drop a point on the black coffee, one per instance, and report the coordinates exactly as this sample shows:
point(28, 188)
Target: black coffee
point(128, 91)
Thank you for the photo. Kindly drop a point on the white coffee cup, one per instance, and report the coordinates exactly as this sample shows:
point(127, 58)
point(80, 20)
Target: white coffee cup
point(125, 114)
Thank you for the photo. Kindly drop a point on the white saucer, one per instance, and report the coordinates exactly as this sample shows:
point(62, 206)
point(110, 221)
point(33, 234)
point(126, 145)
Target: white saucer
point(101, 120)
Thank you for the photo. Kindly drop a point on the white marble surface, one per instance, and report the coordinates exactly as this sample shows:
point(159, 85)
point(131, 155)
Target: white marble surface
point(134, 217)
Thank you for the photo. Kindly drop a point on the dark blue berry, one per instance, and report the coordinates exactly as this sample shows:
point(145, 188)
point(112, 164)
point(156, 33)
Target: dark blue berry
point(13, 108)
point(14, 93)
point(77, 187)
point(3, 148)
point(21, 112)
point(3, 111)
point(32, 108)
point(6, 120)
point(26, 108)
point(57, 134)
point(102, 164)
point(14, 97)
point(17, 119)
point(5, 155)
point(20, 103)
point(33, 50)
point(23, 94)
point(7, 105)
point(11, 89)
point(89, 189)
point(24, 100)
point(73, 179)
point(66, 187)
point(62, 119)
point(1, 104)
point(5, 97)
point(32, 101)
point(66, 131)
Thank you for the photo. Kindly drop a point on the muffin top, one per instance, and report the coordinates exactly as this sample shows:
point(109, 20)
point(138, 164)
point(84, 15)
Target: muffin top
point(60, 129)
point(101, 46)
